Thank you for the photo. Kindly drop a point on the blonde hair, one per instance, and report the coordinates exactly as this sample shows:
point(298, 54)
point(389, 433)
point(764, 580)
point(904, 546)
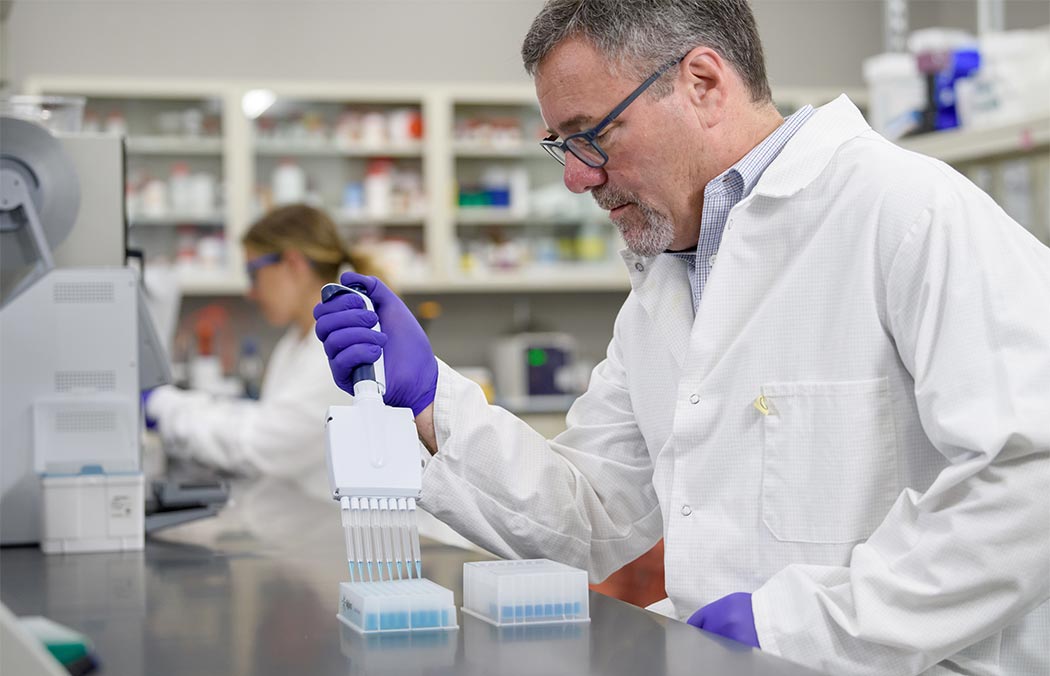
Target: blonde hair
point(313, 233)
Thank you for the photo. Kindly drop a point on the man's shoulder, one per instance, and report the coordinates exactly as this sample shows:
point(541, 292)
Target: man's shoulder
point(868, 167)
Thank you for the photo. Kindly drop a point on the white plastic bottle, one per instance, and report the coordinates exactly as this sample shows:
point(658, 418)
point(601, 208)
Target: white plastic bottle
point(378, 187)
point(289, 183)
point(180, 189)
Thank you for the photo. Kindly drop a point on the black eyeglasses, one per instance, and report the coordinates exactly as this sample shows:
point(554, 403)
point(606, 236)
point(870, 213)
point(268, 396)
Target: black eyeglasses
point(253, 266)
point(584, 144)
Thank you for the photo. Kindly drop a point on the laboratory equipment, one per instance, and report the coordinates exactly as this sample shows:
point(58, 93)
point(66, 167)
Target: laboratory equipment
point(530, 591)
point(89, 511)
point(23, 651)
point(187, 493)
point(534, 369)
point(897, 93)
point(78, 343)
point(374, 471)
point(396, 605)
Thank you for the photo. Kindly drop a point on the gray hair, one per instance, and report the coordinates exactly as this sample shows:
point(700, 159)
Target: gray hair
point(639, 36)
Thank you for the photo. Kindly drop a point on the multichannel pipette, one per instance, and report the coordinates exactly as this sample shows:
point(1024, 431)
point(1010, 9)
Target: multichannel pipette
point(375, 473)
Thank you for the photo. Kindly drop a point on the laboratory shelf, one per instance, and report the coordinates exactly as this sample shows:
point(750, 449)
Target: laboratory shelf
point(169, 220)
point(174, 145)
point(398, 220)
point(211, 282)
point(490, 151)
point(482, 216)
point(329, 148)
point(491, 216)
point(967, 145)
point(536, 279)
point(446, 157)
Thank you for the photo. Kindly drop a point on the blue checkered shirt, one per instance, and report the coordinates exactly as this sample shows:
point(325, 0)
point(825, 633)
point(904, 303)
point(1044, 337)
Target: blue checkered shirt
point(725, 191)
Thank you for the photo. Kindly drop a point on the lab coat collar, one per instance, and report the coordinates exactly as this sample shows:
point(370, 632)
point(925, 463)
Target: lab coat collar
point(799, 163)
point(810, 150)
point(661, 285)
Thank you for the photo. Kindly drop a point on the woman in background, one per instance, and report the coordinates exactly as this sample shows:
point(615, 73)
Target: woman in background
point(291, 253)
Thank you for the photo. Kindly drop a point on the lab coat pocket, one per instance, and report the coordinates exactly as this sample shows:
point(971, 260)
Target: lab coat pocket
point(829, 459)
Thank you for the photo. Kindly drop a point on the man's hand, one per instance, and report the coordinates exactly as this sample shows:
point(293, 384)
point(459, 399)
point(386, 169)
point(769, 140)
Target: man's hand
point(345, 328)
point(730, 616)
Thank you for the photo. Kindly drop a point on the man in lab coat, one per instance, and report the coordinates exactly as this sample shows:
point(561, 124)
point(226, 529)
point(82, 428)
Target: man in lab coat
point(829, 387)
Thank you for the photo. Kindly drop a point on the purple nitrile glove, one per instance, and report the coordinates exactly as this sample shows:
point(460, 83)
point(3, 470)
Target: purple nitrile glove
point(151, 423)
point(345, 328)
point(730, 616)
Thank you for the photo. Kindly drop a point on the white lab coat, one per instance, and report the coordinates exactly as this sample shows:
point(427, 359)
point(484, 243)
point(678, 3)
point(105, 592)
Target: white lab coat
point(891, 513)
point(280, 435)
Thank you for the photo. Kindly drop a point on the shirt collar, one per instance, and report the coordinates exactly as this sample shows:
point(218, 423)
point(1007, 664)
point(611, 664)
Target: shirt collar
point(751, 166)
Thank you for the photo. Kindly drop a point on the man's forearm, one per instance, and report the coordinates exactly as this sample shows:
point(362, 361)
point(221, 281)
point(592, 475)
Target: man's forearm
point(425, 429)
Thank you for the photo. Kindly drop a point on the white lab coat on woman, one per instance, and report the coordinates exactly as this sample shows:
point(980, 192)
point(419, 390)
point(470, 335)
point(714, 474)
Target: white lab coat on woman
point(855, 426)
point(280, 435)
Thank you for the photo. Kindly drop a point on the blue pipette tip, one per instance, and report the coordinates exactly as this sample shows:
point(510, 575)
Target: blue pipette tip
point(419, 568)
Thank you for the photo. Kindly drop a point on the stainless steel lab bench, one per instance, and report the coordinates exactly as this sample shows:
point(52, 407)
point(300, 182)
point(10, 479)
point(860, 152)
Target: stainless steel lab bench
point(255, 591)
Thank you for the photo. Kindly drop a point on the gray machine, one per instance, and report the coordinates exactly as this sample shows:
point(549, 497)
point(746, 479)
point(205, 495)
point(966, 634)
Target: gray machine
point(78, 345)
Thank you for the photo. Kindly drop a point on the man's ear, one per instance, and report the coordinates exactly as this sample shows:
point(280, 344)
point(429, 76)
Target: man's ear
point(705, 74)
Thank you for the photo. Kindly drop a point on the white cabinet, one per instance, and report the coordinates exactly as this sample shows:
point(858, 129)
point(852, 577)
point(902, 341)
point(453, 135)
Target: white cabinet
point(359, 155)
point(445, 182)
point(513, 223)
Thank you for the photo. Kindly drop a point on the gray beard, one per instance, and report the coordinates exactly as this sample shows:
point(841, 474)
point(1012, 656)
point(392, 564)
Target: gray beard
point(647, 235)
point(652, 236)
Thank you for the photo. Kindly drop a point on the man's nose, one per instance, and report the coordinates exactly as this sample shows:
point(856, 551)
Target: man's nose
point(580, 177)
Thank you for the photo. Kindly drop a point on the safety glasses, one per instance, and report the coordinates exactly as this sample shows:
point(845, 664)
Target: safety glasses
point(253, 266)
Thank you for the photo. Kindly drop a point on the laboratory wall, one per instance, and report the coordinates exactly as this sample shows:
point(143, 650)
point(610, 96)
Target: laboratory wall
point(809, 43)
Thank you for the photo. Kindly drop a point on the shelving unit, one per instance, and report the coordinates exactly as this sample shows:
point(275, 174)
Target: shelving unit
point(511, 204)
point(193, 124)
point(173, 219)
point(446, 237)
point(321, 148)
point(959, 146)
point(473, 136)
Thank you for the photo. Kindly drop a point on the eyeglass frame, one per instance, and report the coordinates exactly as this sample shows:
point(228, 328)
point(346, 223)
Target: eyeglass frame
point(253, 266)
point(552, 145)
